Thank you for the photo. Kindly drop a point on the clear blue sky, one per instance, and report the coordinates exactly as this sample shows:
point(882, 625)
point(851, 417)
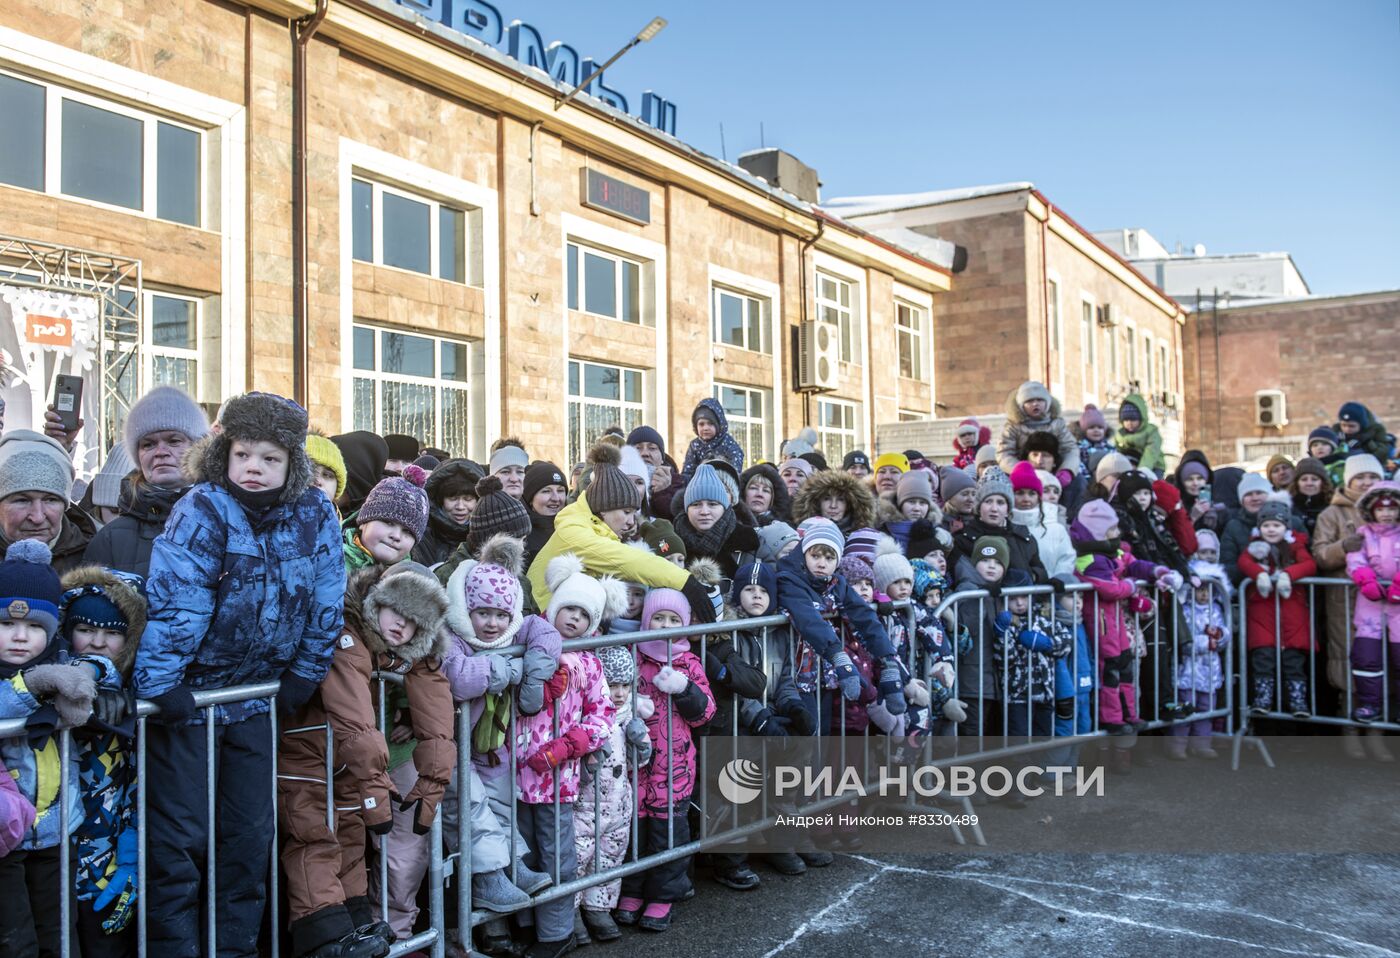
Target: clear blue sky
point(1245, 125)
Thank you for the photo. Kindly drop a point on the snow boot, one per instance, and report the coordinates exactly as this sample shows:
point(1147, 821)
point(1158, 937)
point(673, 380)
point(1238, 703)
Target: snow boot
point(1298, 698)
point(600, 925)
point(494, 892)
point(1262, 701)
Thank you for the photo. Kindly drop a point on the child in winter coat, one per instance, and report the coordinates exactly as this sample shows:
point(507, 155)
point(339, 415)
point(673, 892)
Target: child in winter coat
point(671, 676)
point(1377, 620)
point(1095, 439)
point(859, 576)
point(575, 722)
point(970, 437)
point(247, 585)
point(393, 623)
point(1023, 652)
point(390, 523)
point(1170, 515)
point(1277, 621)
point(603, 811)
point(104, 614)
point(16, 813)
point(1030, 408)
point(779, 709)
point(1111, 570)
point(1199, 676)
point(1074, 673)
point(712, 439)
point(916, 631)
point(1139, 438)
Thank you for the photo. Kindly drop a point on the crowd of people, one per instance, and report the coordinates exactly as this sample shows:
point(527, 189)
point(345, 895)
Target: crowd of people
point(256, 550)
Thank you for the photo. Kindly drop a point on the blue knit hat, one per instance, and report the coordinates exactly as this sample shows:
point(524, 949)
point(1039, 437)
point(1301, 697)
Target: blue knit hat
point(706, 486)
point(759, 574)
point(1355, 412)
point(29, 588)
point(646, 434)
point(819, 531)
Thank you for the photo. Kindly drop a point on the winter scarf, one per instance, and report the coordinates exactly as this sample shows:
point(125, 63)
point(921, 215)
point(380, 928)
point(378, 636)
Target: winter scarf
point(709, 543)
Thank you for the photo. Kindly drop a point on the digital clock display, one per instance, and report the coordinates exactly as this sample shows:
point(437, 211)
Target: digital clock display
point(603, 192)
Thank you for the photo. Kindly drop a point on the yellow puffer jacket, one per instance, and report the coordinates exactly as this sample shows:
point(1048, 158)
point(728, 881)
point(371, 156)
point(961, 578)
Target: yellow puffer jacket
point(578, 530)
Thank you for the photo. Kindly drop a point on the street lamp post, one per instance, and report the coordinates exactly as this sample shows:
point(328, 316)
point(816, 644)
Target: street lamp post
point(647, 32)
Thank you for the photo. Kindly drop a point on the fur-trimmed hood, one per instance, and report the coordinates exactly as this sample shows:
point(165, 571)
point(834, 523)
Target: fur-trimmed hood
point(1016, 416)
point(860, 502)
point(1367, 503)
point(123, 591)
point(501, 551)
point(781, 509)
point(255, 417)
point(409, 589)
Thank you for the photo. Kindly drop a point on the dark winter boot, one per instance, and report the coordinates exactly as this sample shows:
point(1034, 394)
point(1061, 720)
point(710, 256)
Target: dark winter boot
point(330, 933)
point(366, 922)
point(494, 937)
point(600, 925)
point(738, 876)
point(1261, 702)
point(581, 936)
point(1298, 698)
point(551, 949)
point(785, 863)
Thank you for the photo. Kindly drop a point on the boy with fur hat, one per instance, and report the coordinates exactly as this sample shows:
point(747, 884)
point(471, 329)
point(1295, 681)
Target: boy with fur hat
point(1377, 609)
point(1205, 610)
point(712, 439)
point(1278, 627)
point(393, 623)
point(575, 722)
point(247, 584)
point(390, 523)
point(41, 684)
point(1030, 408)
point(1139, 438)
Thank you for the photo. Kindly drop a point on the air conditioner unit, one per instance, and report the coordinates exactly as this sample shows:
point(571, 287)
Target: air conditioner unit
point(817, 356)
point(1106, 316)
point(1270, 408)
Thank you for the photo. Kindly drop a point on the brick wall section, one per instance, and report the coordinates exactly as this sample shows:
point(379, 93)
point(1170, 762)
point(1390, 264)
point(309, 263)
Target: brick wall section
point(1320, 353)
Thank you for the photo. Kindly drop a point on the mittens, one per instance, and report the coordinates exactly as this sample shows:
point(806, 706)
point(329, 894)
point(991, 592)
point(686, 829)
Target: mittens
point(892, 687)
point(1393, 593)
point(916, 693)
point(293, 692)
point(529, 698)
point(955, 710)
point(500, 674)
point(1263, 584)
point(176, 705)
point(1366, 580)
point(1064, 709)
point(638, 741)
point(1002, 622)
point(943, 537)
point(766, 722)
point(846, 676)
point(1284, 585)
point(70, 688)
point(643, 707)
point(885, 720)
point(800, 721)
point(549, 756)
point(111, 706)
point(1259, 549)
point(670, 681)
point(1170, 581)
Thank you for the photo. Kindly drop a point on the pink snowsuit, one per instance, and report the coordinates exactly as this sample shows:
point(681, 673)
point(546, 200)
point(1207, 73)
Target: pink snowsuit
point(1373, 566)
point(16, 813)
point(1108, 621)
point(583, 704)
point(671, 739)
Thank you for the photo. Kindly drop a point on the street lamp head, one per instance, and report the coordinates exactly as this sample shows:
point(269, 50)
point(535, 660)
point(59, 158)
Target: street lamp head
point(652, 29)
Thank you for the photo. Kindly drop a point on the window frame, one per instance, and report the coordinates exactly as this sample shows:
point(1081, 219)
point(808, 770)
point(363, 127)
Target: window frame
point(1149, 358)
point(575, 447)
point(848, 325)
point(764, 306)
point(916, 337)
point(761, 420)
point(377, 376)
point(825, 434)
point(1055, 319)
point(379, 187)
point(54, 95)
point(619, 260)
point(1088, 346)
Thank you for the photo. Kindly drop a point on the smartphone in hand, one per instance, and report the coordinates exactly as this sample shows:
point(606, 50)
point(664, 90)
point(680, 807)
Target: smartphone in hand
point(68, 400)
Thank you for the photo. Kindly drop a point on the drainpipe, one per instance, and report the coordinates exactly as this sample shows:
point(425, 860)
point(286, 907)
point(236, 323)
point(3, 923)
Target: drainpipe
point(802, 250)
point(1045, 296)
point(302, 32)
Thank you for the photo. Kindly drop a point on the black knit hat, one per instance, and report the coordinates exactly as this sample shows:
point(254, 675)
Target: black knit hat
point(610, 488)
point(496, 512)
point(541, 474)
point(402, 447)
point(1130, 484)
point(1043, 441)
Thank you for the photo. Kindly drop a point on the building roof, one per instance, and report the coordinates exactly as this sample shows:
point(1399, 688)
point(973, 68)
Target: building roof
point(938, 251)
point(1342, 299)
point(889, 202)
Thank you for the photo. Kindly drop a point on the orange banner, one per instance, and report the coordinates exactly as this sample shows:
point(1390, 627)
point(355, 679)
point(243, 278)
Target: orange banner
point(48, 330)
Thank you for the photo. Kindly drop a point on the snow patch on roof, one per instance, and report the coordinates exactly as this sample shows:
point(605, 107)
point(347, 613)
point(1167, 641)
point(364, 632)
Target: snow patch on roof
point(888, 202)
point(937, 251)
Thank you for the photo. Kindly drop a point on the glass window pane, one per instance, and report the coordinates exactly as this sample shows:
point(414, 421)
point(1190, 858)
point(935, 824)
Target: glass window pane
point(631, 292)
point(102, 155)
point(22, 146)
point(601, 382)
point(571, 266)
point(731, 319)
point(364, 348)
point(456, 420)
point(406, 225)
point(575, 451)
point(362, 405)
point(599, 285)
point(362, 220)
point(451, 244)
point(407, 355)
point(173, 322)
point(632, 383)
point(407, 408)
point(757, 341)
point(173, 371)
point(598, 419)
point(573, 379)
point(454, 362)
point(177, 174)
point(631, 419)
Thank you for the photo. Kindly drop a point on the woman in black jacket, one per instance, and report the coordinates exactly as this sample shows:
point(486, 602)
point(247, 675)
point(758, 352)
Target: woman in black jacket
point(451, 490)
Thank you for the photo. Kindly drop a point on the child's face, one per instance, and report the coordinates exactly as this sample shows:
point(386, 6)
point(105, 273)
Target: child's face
point(620, 693)
point(705, 429)
point(1072, 602)
point(1281, 475)
point(1018, 604)
point(1309, 485)
point(1206, 554)
point(1041, 459)
point(834, 508)
point(1035, 408)
point(820, 561)
point(990, 570)
point(664, 619)
point(678, 558)
point(1271, 531)
point(967, 439)
point(900, 589)
point(704, 513)
point(257, 466)
point(863, 588)
point(490, 624)
point(395, 628)
point(1143, 498)
point(963, 502)
point(993, 510)
point(1386, 515)
point(758, 495)
point(90, 640)
point(937, 561)
point(1095, 433)
point(886, 478)
point(571, 621)
point(460, 508)
point(1130, 425)
point(1113, 532)
point(512, 480)
point(1350, 428)
point(636, 596)
point(21, 641)
point(623, 522)
point(1202, 594)
point(1051, 494)
point(1194, 483)
point(325, 480)
point(915, 509)
point(753, 599)
point(386, 542)
point(933, 596)
point(1027, 499)
point(1320, 449)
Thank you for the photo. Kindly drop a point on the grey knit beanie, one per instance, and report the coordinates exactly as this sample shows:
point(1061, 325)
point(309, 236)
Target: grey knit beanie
point(106, 486)
point(610, 487)
point(32, 462)
point(995, 483)
point(163, 409)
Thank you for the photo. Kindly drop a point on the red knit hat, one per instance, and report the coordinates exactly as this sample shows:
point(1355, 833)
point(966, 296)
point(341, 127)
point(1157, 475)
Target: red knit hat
point(1166, 494)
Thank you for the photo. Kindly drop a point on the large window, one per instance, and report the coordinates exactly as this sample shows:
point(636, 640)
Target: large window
point(392, 227)
point(59, 141)
point(1052, 306)
point(836, 428)
point(835, 305)
point(1086, 340)
point(748, 411)
point(604, 284)
point(1149, 380)
point(1130, 352)
point(740, 320)
point(413, 384)
point(910, 325)
point(601, 396)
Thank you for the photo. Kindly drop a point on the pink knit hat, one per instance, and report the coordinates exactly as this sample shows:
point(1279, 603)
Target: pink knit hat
point(1024, 477)
point(1091, 417)
point(1097, 516)
point(490, 586)
point(664, 600)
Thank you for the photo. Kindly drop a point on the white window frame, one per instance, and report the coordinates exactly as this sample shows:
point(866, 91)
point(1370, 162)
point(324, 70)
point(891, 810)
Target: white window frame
point(825, 435)
point(762, 304)
point(1149, 380)
point(1088, 347)
point(149, 351)
point(853, 327)
point(617, 260)
point(1111, 335)
point(367, 162)
point(916, 336)
point(765, 434)
point(377, 376)
point(772, 293)
point(912, 415)
point(471, 218)
point(1130, 347)
point(1056, 318)
point(621, 404)
point(1164, 384)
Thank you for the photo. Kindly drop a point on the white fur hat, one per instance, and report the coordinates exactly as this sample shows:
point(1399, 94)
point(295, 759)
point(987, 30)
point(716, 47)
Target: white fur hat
point(604, 598)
